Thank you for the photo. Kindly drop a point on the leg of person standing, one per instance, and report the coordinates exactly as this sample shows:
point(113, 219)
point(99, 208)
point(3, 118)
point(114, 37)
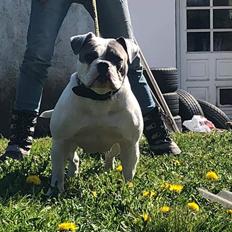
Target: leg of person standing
point(45, 21)
point(114, 21)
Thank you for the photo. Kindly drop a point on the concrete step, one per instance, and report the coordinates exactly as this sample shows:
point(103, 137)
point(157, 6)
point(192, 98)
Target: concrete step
point(224, 197)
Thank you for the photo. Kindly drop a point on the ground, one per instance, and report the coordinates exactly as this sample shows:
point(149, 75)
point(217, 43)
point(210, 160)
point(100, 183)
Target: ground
point(99, 201)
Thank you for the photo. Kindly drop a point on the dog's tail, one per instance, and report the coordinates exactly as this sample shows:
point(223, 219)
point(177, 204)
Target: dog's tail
point(46, 114)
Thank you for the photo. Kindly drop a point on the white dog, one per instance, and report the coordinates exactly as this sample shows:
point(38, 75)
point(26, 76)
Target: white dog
point(97, 111)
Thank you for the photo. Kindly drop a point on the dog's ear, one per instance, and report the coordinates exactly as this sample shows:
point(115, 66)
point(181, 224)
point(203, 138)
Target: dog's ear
point(130, 47)
point(78, 41)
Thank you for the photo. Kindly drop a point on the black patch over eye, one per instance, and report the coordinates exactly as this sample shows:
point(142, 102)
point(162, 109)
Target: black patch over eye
point(118, 61)
point(115, 59)
point(119, 65)
point(90, 57)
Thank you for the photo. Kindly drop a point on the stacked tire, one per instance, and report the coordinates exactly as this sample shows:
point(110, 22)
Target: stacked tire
point(189, 106)
point(183, 106)
point(167, 80)
point(215, 115)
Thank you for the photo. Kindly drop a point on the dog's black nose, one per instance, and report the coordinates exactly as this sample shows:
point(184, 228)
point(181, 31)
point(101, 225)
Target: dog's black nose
point(103, 68)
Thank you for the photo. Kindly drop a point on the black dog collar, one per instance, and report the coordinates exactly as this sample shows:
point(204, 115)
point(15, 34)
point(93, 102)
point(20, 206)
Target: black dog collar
point(82, 91)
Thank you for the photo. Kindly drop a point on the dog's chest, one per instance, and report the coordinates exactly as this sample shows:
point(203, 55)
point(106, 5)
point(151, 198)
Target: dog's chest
point(93, 138)
point(99, 133)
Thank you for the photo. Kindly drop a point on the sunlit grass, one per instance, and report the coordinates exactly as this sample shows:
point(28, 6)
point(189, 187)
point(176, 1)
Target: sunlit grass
point(162, 197)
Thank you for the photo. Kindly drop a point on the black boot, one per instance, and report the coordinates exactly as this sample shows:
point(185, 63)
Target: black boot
point(21, 134)
point(157, 134)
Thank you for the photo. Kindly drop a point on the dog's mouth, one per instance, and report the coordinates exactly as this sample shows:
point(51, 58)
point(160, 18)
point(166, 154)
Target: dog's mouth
point(103, 82)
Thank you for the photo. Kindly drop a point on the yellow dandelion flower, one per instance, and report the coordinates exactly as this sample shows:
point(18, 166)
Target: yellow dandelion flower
point(165, 185)
point(149, 193)
point(153, 194)
point(94, 193)
point(33, 180)
point(193, 206)
point(119, 168)
point(146, 217)
point(165, 209)
point(67, 226)
point(146, 193)
point(176, 162)
point(229, 211)
point(212, 176)
point(176, 188)
point(130, 184)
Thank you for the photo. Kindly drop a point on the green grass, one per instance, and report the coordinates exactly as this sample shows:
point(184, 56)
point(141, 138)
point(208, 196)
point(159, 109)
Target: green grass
point(118, 207)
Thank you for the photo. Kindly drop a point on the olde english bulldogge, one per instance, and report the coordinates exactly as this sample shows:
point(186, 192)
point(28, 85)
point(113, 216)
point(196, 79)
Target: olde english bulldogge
point(97, 110)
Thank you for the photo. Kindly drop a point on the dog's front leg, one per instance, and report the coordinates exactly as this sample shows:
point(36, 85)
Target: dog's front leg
point(110, 155)
point(129, 158)
point(60, 150)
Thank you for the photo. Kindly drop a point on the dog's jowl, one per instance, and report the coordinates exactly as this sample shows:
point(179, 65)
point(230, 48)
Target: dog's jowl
point(97, 111)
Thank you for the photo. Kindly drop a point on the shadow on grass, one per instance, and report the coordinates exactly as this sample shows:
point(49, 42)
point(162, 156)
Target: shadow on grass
point(13, 177)
point(14, 183)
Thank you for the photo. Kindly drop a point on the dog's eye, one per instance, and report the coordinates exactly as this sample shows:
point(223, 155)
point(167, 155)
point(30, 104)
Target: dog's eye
point(119, 65)
point(90, 57)
point(114, 58)
point(117, 60)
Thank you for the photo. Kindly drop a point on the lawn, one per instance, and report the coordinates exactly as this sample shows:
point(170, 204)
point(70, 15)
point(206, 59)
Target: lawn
point(99, 201)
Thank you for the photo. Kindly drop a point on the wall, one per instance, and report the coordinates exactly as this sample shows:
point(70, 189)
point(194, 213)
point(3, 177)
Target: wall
point(14, 18)
point(154, 25)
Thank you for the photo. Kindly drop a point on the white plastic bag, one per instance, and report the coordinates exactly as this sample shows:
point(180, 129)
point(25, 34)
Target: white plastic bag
point(199, 123)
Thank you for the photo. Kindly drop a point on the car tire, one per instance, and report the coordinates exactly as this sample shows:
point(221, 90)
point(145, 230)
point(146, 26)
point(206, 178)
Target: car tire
point(214, 114)
point(172, 100)
point(188, 105)
point(166, 78)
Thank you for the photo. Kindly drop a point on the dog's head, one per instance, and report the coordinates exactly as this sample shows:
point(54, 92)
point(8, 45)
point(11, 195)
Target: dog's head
point(104, 61)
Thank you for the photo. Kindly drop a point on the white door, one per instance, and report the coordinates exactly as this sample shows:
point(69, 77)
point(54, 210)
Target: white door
point(205, 39)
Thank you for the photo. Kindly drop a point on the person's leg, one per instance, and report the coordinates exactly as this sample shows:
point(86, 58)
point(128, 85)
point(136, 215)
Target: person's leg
point(45, 20)
point(114, 21)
